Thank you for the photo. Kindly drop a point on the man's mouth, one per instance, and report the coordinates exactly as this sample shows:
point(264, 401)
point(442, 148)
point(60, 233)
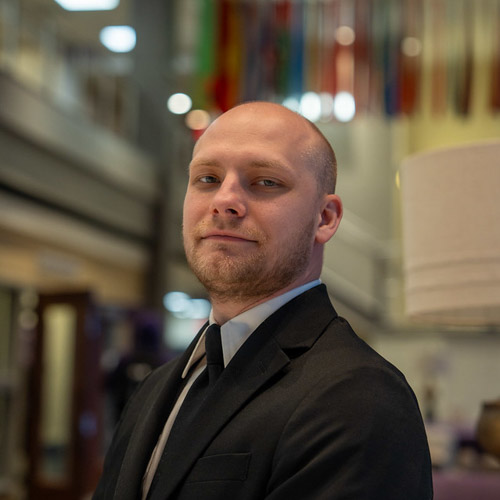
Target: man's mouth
point(227, 237)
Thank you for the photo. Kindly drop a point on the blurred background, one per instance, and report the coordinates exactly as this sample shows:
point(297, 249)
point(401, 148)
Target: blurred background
point(100, 105)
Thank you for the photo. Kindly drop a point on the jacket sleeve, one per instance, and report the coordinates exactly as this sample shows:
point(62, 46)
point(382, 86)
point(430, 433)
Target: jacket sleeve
point(361, 438)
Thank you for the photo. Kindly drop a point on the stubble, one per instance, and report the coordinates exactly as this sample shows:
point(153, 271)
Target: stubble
point(252, 273)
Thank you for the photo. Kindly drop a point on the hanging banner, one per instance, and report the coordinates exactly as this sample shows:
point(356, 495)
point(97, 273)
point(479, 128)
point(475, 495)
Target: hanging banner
point(329, 48)
point(362, 49)
point(205, 56)
point(377, 50)
point(410, 56)
point(296, 68)
point(495, 61)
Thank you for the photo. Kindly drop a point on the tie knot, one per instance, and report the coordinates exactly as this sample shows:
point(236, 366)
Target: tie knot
point(213, 348)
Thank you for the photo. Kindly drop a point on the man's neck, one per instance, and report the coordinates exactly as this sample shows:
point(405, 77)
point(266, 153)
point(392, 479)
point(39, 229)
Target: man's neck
point(224, 310)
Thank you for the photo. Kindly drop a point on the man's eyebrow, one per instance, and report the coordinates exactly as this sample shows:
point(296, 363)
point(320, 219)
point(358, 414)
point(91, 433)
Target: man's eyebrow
point(263, 163)
point(273, 164)
point(204, 162)
point(195, 163)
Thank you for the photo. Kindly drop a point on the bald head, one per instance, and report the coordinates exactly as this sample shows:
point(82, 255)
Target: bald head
point(312, 146)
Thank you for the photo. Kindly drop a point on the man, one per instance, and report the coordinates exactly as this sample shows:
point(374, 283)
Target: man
point(303, 408)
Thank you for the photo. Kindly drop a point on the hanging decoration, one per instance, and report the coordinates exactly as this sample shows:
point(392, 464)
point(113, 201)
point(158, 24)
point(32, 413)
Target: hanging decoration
point(204, 81)
point(439, 80)
point(409, 53)
point(495, 70)
point(378, 51)
point(362, 50)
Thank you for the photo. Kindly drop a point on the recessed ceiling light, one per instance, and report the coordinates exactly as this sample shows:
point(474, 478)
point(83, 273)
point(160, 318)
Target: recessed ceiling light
point(118, 38)
point(179, 103)
point(88, 4)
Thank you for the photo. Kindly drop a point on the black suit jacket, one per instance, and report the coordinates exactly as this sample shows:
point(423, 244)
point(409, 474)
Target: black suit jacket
point(304, 410)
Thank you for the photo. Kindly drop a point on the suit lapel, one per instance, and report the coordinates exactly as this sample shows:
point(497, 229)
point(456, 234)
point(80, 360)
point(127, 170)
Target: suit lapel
point(292, 328)
point(148, 428)
point(299, 323)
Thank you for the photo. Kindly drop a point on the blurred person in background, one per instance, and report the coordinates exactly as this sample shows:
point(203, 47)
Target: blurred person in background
point(148, 352)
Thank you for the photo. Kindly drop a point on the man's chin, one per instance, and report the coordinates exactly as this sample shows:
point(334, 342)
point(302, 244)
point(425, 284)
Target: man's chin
point(226, 278)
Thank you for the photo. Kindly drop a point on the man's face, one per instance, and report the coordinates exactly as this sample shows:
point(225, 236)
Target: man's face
point(252, 206)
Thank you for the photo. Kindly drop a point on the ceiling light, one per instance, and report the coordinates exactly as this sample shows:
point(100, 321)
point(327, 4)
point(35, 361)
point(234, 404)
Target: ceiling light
point(118, 38)
point(344, 106)
point(88, 4)
point(310, 106)
point(179, 103)
point(197, 119)
point(292, 103)
point(345, 35)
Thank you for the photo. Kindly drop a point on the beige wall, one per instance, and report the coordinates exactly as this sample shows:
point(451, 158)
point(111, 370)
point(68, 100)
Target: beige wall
point(30, 262)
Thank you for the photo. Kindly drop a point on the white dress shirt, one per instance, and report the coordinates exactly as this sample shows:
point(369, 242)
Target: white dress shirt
point(234, 333)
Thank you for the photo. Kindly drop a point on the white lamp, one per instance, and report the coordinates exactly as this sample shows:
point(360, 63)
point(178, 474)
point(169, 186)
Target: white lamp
point(451, 234)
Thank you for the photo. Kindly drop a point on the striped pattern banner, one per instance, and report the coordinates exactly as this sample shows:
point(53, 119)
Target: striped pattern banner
point(379, 51)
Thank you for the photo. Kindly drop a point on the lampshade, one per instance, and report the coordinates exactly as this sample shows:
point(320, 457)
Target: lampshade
point(451, 234)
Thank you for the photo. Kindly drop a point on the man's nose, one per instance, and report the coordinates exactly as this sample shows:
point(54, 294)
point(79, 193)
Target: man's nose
point(229, 200)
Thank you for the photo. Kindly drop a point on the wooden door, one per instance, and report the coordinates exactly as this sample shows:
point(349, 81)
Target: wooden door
point(65, 394)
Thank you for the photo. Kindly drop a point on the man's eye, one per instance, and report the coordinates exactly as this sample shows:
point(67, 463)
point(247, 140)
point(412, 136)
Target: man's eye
point(267, 183)
point(208, 179)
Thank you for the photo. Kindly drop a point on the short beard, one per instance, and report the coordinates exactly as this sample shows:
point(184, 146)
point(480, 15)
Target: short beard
point(248, 278)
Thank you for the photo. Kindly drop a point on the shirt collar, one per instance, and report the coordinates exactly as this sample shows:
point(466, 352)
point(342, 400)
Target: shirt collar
point(236, 331)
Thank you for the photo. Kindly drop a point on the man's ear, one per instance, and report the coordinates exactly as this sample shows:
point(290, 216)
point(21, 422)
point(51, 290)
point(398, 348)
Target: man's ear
point(331, 214)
